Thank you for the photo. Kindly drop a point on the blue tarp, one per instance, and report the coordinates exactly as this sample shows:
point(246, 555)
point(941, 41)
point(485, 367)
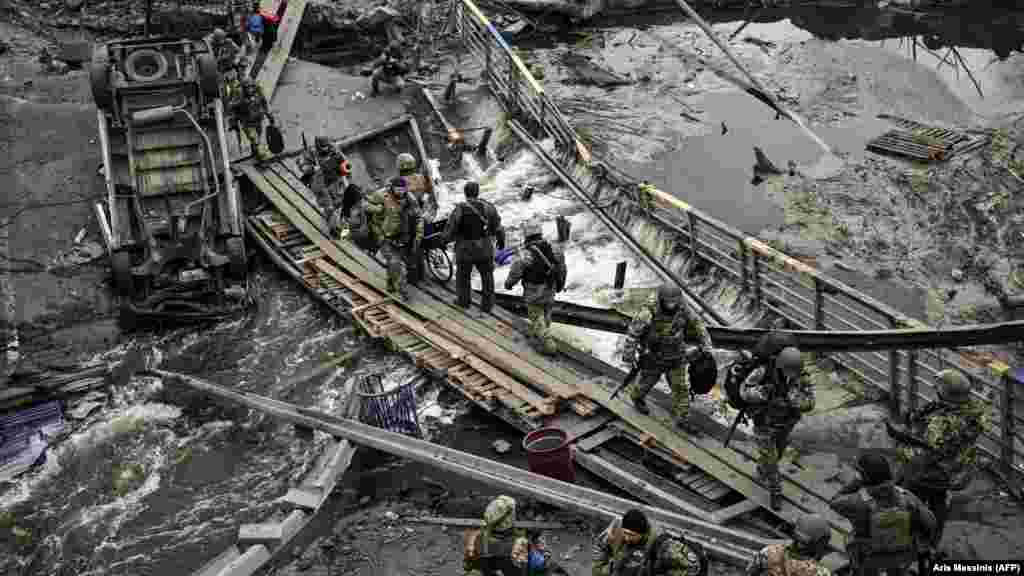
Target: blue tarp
point(24, 437)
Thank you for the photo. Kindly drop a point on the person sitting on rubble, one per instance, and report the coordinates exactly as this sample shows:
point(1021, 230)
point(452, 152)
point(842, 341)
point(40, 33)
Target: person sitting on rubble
point(630, 546)
point(501, 548)
point(891, 526)
point(800, 558)
point(389, 68)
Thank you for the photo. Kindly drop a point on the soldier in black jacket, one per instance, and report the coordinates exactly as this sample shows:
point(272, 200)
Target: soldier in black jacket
point(473, 225)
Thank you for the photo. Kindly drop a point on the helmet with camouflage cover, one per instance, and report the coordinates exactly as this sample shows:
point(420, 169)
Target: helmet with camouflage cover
point(811, 529)
point(322, 143)
point(406, 162)
point(219, 35)
point(669, 296)
point(500, 513)
point(531, 229)
point(953, 386)
point(789, 360)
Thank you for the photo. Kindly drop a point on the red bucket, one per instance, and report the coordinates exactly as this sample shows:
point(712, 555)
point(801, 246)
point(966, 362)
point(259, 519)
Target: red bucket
point(548, 452)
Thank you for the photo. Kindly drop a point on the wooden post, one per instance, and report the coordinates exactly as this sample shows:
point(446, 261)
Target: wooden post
point(741, 255)
point(819, 305)
point(564, 227)
point(894, 377)
point(620, 275)
point(911, 381)
point(1010, 382)
point(757, 277)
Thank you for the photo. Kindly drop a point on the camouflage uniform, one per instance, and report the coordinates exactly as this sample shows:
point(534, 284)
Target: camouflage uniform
point(506, 548)
point(615, 557)
point(908, 526)
point(541, 267)
point(950, 428)
point(396, 223)
point(226, 52)
point(661, 335)
point(777, 402)
point(645, 191)
point(249, 111)
point(422, 189)
point(786, 560)
point(325, 181)
point(473, 225)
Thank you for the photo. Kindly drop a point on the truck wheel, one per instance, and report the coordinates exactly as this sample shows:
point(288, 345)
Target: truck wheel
point(145, 65)
point(209, 76)
point(238, 266)
point(99, 81)
point(124, 284)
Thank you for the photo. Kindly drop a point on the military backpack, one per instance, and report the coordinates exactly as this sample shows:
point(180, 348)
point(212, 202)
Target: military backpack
point(655, 559)
point(890, 527)
point(763, 355)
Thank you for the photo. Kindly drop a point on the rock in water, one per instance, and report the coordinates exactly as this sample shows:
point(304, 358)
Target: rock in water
point(501, 446)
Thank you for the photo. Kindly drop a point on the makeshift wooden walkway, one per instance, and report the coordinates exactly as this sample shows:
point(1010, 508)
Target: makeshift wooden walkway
point(489, 360)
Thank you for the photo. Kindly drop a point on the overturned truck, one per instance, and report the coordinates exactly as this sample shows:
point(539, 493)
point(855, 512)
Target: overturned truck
point(171, 220)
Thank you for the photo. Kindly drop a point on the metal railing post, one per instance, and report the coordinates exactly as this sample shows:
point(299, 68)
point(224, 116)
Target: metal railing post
point(757, 277)
point(1010, 382)
point(692, 222)
point(911, 383)
point(819, 305)
point(894, 377)
point(742, 257)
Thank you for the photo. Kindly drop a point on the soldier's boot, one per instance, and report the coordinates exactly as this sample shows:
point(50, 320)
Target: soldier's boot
point(685, 424)
point(640, 403)
point(776, 497)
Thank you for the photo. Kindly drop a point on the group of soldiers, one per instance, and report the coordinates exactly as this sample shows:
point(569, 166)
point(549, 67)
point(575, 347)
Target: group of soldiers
point(247, 105)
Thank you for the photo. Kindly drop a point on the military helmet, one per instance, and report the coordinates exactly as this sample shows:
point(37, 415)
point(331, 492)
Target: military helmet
point(531, 229)
point(405, 161)
point(669, 295)
point(811, 529)
point(219, 34)
point(321, 142)
point(874, 468)
point(789, 359)
point(953, 386)
point(399, 184)
point(500, 513)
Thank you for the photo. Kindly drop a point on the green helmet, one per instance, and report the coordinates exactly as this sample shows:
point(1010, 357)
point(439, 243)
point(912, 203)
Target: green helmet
point(953, 386)
point(669, 296)
point(406, 162)
point(789, 360)
point(500, 513)
point(531, 229)
point(811, 529)
point(219, 35)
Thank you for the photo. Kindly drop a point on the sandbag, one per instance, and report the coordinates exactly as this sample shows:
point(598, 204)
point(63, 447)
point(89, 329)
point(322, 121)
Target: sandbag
point(703, 372)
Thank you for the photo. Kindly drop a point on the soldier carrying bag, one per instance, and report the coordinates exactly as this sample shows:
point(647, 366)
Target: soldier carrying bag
point(890, 528)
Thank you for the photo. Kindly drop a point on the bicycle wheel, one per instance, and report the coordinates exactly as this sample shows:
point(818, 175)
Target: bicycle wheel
point(439, 264)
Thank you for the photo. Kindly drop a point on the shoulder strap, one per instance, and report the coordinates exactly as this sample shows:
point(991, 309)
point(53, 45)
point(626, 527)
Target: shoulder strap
point(469, 204)
point(653, 552)
point(539, 252)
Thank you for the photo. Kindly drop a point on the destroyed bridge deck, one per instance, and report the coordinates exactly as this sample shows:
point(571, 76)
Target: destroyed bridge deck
point(489, 360)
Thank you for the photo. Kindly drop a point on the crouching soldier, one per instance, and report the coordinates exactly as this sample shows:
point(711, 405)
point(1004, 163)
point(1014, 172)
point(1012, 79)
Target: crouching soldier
point(389, 69)
point(396, 224)
point(660, 333)
point(541, 267)
point(891, 526)
point(778, 394)
point(501, 548)
point(630, 546)
point(801, 558)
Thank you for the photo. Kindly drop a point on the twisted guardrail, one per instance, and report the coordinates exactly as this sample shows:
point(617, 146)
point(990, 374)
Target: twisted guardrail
point(803, 295)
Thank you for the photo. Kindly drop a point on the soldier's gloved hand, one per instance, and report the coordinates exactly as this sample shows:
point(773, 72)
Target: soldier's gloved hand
point(692, 352)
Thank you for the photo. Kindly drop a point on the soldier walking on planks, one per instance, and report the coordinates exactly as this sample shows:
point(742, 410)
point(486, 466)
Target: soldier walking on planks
point(325, 171)
point(422, 189)
point(227, 53)
point(501, 548)
point(397, 225)
point(777, 394)
point(630, 546)
point(939, 452)
point(473, 226)
point(541, 267)
point(248, 112)
point(801, 558)
point(659, 333)
point(891, 526)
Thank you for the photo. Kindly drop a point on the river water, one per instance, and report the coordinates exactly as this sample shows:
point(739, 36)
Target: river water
point(158, 482)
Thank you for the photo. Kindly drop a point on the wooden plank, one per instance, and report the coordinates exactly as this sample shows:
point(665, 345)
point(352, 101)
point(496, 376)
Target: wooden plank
point(309, 498)
point(542, 404)
point(639, 487)
point(595, 440)
point(738, 509)
point(288, 27)
point(587, 426)
point(216, 565)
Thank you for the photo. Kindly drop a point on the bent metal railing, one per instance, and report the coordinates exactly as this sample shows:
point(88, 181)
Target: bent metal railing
point(804, 296)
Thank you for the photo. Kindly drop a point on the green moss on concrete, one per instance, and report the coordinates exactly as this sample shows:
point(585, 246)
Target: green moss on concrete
point(802, 210)
point(128, 477)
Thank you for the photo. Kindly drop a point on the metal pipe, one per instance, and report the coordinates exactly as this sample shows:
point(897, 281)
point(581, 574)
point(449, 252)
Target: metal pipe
point(108, 176)
point(229, 177)
point(108, 237)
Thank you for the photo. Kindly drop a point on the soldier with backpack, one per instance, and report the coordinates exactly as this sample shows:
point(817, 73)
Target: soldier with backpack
point(801, 558)
point(396, 223)
point(630, 546)
point(541, 267)
point(473, 225)
point(771, 386)
point(891, 526)
point(657, 344)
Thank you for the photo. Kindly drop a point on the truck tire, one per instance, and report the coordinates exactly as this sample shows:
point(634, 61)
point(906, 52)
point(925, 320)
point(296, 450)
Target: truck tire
point(146, 65)
point(99, 81)
point(209, 75)
point(238, 267)
point(124, 284)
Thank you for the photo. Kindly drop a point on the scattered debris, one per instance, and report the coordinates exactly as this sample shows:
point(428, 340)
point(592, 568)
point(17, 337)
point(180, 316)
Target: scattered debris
point(764, 45)
point(586, 72)
point(25, 436)
point(921, 142)
point(501, 446)
point(390, 516)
